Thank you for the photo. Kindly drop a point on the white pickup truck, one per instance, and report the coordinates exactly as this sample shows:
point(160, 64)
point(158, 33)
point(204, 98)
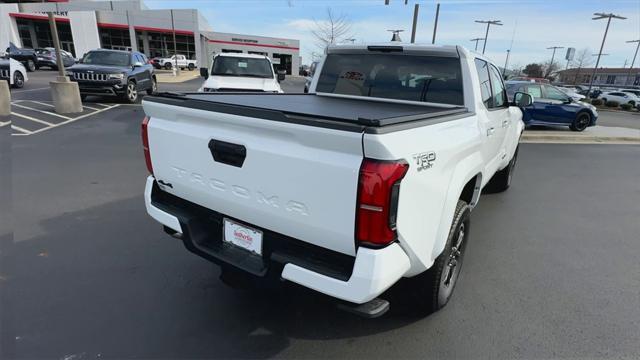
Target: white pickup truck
point(368, 180)
point(181, 60)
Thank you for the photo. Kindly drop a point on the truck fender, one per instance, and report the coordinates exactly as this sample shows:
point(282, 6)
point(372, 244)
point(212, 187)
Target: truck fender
point(465, 170)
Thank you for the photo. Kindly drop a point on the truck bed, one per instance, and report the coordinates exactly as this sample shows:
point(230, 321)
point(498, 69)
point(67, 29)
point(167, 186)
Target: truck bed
point(312, 109)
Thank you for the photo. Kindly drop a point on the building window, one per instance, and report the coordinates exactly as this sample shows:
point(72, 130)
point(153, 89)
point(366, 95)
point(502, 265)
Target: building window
point(258, 53)
point(25, 35)
point(282, 62)
point(611, 79)
point(115, 39)
point(161, 44)
point(232, 51)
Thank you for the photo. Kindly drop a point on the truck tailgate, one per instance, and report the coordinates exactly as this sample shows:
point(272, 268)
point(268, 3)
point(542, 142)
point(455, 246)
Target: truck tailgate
point(297, 180)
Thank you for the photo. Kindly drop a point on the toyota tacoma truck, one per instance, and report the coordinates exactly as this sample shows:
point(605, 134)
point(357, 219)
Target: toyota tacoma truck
point(367, 181)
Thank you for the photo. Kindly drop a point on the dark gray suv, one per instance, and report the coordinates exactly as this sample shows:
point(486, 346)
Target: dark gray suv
point(124, 74)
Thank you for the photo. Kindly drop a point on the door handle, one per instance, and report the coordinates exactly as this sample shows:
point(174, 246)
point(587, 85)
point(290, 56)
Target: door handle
point(505, 123)
point(490, 131)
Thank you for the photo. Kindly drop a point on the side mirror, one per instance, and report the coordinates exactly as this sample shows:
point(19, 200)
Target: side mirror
point(204, 72)
point(521, 99)
point(137, 64)
point(281, 75)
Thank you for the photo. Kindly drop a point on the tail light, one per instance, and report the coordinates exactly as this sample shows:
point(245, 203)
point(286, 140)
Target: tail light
point(378, 193)
point(145, 144)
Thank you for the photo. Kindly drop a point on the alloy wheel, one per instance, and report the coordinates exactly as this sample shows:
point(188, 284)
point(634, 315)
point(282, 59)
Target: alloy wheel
point(132, 93)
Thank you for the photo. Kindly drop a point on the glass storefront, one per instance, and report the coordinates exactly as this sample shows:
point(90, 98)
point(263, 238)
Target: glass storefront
point(161, 44)
point(114, 39)
point(42, 33)
point(284, 62)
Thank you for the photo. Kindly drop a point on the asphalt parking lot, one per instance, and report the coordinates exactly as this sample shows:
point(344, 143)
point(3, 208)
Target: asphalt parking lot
point(551, 271)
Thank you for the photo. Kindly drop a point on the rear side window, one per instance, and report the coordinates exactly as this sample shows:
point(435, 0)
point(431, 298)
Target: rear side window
point(485, 82)
point(434, 79)
point(497, 88)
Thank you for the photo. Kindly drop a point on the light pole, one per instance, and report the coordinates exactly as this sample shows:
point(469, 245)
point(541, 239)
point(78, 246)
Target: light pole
point(506, 62)
point(435, 24)
point(599, 16)
point(553, 56)
point(486, 35)
point(476, 40)
point(416, 8)
point(634, 59)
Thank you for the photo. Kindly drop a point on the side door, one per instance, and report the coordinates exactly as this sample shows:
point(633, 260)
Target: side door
point(139, 72)
point(490, 119)
point(558, 107)
point(500, 110)
point(536, 110)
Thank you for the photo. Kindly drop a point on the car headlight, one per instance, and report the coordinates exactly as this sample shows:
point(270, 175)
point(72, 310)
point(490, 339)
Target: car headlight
point(116, 76)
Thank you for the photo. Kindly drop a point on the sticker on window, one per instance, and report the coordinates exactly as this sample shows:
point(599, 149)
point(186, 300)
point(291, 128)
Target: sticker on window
point(242, 64)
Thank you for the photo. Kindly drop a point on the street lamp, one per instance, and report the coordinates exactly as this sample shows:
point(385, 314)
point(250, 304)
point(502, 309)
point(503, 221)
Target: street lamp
point(476, 40)
point(634, 59)
point(486, 35)
point(553, 56)
point(599, 16)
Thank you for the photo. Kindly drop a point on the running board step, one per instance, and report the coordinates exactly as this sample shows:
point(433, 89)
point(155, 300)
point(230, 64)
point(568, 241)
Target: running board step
point(372, 309)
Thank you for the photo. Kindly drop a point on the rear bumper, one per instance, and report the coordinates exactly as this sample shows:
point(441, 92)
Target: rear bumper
point(356, 280)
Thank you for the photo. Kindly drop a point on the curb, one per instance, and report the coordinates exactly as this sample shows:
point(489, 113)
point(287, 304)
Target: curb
point(560, 139)
point(637, 113)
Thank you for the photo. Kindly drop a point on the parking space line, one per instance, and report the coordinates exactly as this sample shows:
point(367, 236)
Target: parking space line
point(23, 91)
point(42, 103)
point(32, 119)
point(91, 108)
point(43, 111)
point(72, 120)
point(5, 123)
point(23, 131)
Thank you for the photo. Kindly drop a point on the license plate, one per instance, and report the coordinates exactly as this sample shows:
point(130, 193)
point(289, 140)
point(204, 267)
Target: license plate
point(243, 236)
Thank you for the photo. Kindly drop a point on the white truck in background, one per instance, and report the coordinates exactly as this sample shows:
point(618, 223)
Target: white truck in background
point(367, 181)
point(180, 60)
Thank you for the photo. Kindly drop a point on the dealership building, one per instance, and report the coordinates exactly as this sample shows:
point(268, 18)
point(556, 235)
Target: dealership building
point(130, 25)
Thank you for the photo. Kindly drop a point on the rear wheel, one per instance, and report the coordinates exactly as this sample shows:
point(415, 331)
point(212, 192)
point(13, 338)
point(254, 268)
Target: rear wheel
point(18, 79)
point(31, 65)
point(191, 67)
point(501, 180)
point(154, 87)
point(581, 122)
point(431, 290)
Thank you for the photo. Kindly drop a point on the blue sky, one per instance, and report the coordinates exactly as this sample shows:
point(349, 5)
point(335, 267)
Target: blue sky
point(533, 25)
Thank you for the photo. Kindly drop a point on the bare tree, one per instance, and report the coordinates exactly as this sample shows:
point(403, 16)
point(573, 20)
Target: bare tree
point(583, 59)
point(332, 30)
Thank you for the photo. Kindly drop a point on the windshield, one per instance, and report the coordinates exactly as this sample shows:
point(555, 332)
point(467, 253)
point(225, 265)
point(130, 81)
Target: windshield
point(106, 58)
point(239, 66)
point(416, 78)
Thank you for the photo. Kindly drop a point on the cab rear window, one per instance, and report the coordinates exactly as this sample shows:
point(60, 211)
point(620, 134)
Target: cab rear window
point(434, 79)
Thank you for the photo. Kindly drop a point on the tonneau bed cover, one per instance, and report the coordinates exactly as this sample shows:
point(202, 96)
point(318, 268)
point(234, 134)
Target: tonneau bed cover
point(311, 109)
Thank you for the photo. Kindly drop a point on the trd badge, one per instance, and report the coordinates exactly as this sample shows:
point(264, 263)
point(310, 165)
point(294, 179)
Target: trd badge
point(425, 160)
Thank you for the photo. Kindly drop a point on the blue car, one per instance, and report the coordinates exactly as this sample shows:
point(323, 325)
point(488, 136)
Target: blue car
point(551, 106)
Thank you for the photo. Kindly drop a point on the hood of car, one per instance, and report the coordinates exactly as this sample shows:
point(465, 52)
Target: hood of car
point(98, 69)
point(241, 83)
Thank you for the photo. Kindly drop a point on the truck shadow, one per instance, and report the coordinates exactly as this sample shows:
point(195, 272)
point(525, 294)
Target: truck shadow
point(106, 281)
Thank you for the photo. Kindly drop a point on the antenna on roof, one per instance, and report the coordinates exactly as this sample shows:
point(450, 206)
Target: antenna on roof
point(396, 35)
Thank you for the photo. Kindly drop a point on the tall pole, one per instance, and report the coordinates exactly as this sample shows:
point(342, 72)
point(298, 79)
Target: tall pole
point(595, 69)
point(476, 40)
point(175, 47)
point(486, 35)
point(435, 24)
point(506, 62)
point(56, 44)
point(634, 59)
point(416, 8)
point(553, 56)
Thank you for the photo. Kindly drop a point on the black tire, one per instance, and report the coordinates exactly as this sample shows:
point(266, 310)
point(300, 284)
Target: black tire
point(430, 291)
point(632, 103)
point(31, 65)
point(18, 80)
point(131, 95)
point(168, 66)
point(581, 122)
point(501, 180)
point(154, 87)
point(191, 67)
